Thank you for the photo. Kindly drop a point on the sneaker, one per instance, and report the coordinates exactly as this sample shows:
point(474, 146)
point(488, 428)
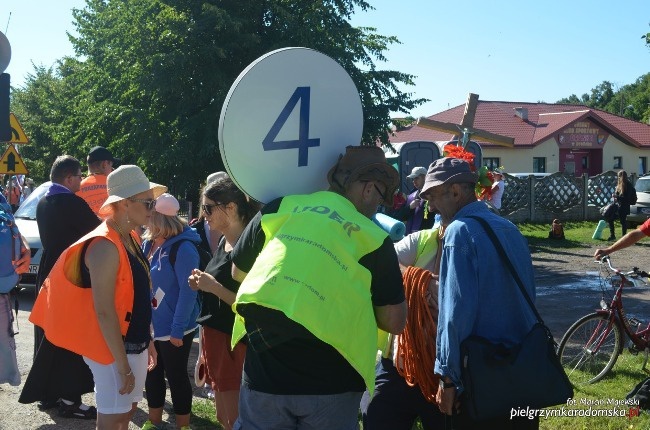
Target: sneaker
point(611, 238)
point(44, 405)
point(148, 425)
point(75, 411)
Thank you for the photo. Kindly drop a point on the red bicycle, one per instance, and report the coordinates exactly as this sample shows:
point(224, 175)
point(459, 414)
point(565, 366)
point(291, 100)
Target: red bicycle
point(591, 346)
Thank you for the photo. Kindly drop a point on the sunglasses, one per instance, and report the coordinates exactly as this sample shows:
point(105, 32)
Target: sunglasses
point(148, 203)
point(208, 208)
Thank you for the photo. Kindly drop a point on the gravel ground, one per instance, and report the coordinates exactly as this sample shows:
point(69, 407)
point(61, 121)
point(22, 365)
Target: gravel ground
point(14, 415)
point(566, 290)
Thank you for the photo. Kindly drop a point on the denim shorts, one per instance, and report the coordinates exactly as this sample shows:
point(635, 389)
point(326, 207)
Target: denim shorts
point(262, 411)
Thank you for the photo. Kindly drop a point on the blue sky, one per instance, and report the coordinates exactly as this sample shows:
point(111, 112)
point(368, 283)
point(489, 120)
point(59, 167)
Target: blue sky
point(502, 49)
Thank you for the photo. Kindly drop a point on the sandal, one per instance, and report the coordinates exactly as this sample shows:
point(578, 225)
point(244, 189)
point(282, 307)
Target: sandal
point(75, 411)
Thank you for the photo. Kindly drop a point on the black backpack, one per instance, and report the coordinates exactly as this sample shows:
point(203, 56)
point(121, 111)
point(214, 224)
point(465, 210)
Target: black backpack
point(204, 256)
point(641, 394)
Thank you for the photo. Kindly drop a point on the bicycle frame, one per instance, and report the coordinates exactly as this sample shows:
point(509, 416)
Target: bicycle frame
point(616, 314)
point(590, 347)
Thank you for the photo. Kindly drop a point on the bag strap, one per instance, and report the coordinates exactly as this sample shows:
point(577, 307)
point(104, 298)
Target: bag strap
point(173, 251)
point(502, 253)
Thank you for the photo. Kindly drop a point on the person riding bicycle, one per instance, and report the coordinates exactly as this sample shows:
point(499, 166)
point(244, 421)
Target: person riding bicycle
point(629, 239)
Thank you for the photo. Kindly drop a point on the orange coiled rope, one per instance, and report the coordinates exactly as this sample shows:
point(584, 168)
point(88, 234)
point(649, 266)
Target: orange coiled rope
point(416, 346)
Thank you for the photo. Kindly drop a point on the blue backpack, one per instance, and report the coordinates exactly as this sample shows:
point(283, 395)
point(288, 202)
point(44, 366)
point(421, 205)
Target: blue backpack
point(9, 251)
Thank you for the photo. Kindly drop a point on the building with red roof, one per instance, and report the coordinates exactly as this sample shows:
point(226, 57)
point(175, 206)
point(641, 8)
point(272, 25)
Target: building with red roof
point(548, 137)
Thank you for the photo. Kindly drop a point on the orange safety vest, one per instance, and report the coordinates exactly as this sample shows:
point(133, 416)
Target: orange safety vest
point(65, 310)
point(93, 191)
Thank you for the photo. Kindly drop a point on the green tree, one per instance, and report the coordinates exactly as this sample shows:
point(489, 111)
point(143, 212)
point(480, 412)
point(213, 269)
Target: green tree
point(630, 101)
point(42, 107)
point(150, 76)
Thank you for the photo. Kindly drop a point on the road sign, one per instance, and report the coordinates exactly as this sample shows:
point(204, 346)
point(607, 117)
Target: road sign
point(12, 163)
point(17, 133)
point(285, 121)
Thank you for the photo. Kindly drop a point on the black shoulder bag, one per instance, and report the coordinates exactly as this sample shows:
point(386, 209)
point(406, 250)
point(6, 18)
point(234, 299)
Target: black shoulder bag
point(497, 379)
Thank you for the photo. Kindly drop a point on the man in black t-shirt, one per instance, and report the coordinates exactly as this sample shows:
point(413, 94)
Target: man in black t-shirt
point(292, 376)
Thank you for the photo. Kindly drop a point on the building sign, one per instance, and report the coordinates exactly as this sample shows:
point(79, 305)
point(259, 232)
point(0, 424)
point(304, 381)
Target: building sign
point(582, 134)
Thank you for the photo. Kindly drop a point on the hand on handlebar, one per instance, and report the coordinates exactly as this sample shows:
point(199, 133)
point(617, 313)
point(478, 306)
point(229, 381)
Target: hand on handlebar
point(600, 254)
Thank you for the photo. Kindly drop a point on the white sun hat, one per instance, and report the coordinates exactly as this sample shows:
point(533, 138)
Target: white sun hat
point(127, 181)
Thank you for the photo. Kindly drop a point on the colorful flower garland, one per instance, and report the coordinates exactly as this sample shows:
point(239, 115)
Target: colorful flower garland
point(483, 187)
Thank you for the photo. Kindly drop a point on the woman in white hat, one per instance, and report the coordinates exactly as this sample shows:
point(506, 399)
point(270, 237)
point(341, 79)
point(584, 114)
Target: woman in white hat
point(101, 305)
point(170, 248)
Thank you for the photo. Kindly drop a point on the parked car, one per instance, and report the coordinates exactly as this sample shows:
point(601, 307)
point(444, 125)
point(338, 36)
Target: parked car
point(640, 212)
point(26, 222)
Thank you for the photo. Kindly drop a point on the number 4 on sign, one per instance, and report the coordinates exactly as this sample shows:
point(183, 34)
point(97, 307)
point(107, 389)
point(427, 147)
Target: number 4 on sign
point(303, 143)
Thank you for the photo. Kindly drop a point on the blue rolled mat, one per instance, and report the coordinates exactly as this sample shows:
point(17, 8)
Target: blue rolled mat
point(395, 229)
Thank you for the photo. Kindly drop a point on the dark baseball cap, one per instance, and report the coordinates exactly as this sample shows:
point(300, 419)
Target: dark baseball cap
point(99, 153)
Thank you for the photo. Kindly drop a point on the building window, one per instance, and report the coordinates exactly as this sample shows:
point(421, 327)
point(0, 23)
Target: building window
point(643, 165)
point(491, 162)
point(539, 164)
point(618, 163)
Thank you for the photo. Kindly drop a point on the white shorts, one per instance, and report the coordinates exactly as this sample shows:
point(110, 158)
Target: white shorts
point(108, 384)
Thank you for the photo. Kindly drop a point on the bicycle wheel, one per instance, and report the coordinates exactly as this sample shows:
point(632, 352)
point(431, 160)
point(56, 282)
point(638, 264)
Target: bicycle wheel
point(590, 348)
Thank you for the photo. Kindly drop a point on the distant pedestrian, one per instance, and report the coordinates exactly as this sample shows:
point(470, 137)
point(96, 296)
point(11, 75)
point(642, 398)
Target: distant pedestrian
point(624, 196)
point(93, 187)
point(415, 212)
point(498, 187)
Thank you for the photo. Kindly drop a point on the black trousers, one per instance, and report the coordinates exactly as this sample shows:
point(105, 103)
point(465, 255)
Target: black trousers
point(622, 217)
point(395, 405)
point(172, 363)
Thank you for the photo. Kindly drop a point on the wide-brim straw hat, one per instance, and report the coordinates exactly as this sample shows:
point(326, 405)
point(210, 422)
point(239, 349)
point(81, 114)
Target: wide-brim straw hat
point(127, 181)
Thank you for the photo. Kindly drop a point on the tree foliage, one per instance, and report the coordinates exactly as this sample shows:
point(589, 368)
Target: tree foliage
point(630, 101)
point(150, 76)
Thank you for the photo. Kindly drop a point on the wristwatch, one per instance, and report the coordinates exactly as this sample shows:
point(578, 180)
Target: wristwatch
point(444, 384)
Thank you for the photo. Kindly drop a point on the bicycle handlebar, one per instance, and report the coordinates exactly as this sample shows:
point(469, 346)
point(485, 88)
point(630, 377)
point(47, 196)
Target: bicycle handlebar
point(635, 270)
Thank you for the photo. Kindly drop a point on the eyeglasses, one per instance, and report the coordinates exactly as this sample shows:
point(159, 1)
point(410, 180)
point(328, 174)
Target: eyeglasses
point(148, 203)
point(208, 208)
point(383, 197)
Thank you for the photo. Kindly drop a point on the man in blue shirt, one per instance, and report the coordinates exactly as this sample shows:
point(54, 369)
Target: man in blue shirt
point(477, 293)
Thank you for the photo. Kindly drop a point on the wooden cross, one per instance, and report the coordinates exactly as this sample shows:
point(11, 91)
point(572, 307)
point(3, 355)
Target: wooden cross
point(466, 126)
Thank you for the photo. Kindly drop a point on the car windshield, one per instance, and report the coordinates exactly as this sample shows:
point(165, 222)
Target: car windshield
point(643, 185)
point(27, 209)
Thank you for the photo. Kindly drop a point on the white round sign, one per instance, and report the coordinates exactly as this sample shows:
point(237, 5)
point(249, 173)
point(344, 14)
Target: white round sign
point(5, 52)
point(285, 121)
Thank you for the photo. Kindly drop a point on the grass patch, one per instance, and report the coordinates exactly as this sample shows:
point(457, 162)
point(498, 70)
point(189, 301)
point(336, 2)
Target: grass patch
point(577, 234)
point(603, 395)
point(204, 415)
